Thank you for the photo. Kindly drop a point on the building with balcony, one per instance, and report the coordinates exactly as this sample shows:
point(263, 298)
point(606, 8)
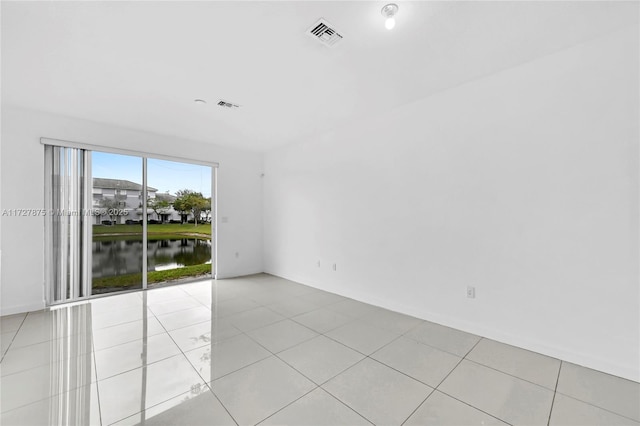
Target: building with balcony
point(122, 195)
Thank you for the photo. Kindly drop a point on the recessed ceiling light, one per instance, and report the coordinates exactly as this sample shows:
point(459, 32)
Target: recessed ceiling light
point(200, 101)
point(389, 11)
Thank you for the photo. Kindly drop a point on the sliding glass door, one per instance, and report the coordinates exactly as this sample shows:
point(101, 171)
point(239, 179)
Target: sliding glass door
point(125, 222)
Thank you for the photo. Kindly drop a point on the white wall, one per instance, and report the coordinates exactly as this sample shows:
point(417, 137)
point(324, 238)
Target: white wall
point(22, 275)
point(523, 184)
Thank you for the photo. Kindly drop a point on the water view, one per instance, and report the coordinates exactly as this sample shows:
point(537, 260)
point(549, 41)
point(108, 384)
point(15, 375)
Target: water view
point(117, 261)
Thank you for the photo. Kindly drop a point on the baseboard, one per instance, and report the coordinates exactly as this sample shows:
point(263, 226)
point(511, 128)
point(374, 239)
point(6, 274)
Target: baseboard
point(629, 372)
point(19, 309)
point(238, 275)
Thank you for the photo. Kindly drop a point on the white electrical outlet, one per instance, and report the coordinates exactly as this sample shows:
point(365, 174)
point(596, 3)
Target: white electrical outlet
point(334, 267)
point(471, 292)
point(318, 263)
point(237, 255)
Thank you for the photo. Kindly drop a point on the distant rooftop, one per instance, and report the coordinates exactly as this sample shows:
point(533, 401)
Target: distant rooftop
point(165, 197)
point(119, 184)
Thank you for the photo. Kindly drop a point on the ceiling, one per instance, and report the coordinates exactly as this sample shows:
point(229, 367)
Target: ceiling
point(141, 64)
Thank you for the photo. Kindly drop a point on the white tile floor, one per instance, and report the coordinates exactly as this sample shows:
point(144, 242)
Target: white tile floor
point(264, 350)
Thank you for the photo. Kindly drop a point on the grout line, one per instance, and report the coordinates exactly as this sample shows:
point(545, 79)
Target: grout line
point(13, 338)
point(275, 354)
point(348, 368)
point(509, 374)
point(208, 381)
point(475, 408)
point(456, 366)
point(403, 373)
point(384, 365)
point(555, 391)
point(599, 407)
point(151, 406)
point(50, 395)
point(457, 399)
point(313, 381)
point(221, 404)
point(322, 332)
point(272, 354)
point(295, 400)
point(413, 328)
point(416, 409)
point(444, 350)
point(342, 402)
point(436, 388)
point(95, 363)
point(493, 368)
point(345, 345)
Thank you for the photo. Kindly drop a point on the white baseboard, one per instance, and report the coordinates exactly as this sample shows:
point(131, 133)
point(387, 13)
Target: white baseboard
point(18, 309)
point(241, 274)
point(630, 372)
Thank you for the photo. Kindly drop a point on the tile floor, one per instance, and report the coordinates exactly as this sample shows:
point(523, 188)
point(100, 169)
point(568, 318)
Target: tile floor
point(264, 350)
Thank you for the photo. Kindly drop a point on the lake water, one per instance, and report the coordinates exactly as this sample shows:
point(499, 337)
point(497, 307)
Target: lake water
point(121, 256)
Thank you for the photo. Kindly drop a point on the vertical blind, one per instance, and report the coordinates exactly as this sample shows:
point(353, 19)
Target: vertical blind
point(68, 221)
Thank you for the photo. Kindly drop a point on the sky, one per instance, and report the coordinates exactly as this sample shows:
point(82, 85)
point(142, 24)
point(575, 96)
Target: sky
point(163, 175)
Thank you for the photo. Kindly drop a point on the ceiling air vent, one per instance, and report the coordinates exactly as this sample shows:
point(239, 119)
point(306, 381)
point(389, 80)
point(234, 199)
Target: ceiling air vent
point(324, 32)
point(226, 104)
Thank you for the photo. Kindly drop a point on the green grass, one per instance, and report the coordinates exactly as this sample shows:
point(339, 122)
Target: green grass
point(133, 280)
point(150, 237)
point(166, 228)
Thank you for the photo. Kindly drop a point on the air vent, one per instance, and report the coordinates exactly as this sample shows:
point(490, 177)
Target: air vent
point(226, 104)
point(324, 32)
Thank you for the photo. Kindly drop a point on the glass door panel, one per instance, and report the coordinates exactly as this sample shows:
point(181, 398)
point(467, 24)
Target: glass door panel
point(117, 236)
point(179, 207)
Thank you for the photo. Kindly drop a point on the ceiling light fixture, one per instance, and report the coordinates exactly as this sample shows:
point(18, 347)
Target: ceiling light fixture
point(389, 11)
point(200, 101)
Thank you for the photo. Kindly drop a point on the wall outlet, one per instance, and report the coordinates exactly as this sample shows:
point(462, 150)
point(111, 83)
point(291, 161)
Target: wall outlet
point(334, 267)
point(237, 255)
point(318, 263)
point(471, 292)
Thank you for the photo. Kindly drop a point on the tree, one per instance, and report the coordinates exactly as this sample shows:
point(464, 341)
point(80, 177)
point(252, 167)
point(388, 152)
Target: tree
point(207, 208)
point(158, 206)
point(112, 206)
point(181, 203)
point(198, 205)
point(189, 201)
